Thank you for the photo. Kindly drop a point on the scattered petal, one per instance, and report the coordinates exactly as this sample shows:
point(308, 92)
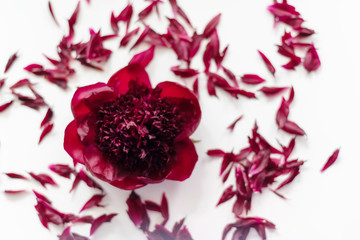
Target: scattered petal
point(43, 179)
point(211, 26)
point(331, 160)
point(94, 201)
point(232, 126)
point(16, 176)
point(311, 60)
point(47, 129)
point(100, 220)
point(5, 106)
point(272, 91)
point(267, 63)
point(252, 79)
point(62, 170)
point(10, 62)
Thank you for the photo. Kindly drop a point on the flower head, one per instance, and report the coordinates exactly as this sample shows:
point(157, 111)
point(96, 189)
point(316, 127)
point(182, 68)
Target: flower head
point(129, 134)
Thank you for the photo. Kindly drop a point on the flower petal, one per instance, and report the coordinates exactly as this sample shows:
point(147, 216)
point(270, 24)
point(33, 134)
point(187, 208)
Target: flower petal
point(191, 111)
point(96, 94)
point(105, 171)
point(72, 144)
point(120, 80)
point(184, 160)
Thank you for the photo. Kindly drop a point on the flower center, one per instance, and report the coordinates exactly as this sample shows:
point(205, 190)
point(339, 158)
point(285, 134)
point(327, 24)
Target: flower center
point(136, 132)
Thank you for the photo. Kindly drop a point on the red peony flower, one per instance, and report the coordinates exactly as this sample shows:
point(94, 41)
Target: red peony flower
point(128, 134)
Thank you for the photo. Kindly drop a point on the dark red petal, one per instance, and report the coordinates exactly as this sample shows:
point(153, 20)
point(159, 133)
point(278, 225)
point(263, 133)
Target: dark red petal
point(184, 160)
point(133, 72)
point(16, 176)
point(331, 160)
point(142, 37)
point(267, 63)
point(126, 39)
point(42, 197)
point(5, 106)
point(232, 126)
point(143, 58)
point(99, 221)
point(2, 82)
point(52, 14)
point(74, 16)
point(43, 179)
point(14, 191)
point(47, 129)
point(184, 73)
point(84, 219)
point(211, 26)
point(94, 201)
point(137, 212)
point(196, 87)
point(227, 195)
point(10, 62)
point(47, 118)
point(146, 11)
point(311, 60)
point(271, 91)
point(293, 128)
point(72, 144)
point(35, 69)
point(114, 23)
point(84, 96)
point(164, 209)
point(282, 113)
point(252, 79)
point(216, 153)
point(192, 112)
point(62, 170)
point(82, 176)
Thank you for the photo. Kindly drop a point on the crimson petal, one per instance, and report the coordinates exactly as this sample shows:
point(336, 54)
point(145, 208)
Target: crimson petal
point(43, 179)
point(252, 79)
point(133, 72)
point(267, 63)
point(143, 58)
point(5, 106)
point(211, 26)
point(99, 221)
point(72, 144)
point(311, 60)
point(137, 212)
point(94, 201)
point(10, 62)
point(184, 160)
point(192, 111)
point(97, 93)
point(61, 169)
point(293, 128)
point(331, 160)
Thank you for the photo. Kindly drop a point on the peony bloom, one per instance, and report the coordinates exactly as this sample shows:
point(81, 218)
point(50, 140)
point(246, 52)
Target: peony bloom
point(128, 134)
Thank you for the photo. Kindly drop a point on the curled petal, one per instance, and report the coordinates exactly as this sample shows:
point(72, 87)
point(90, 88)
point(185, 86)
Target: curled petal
point(191, 110)
point(72, 143)
point(90, 95)
point(184, 160)
point(120, 80)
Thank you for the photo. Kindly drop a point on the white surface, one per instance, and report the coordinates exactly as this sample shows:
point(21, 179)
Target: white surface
point(319, 206)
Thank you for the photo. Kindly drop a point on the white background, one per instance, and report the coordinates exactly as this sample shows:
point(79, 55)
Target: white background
point(319, 205)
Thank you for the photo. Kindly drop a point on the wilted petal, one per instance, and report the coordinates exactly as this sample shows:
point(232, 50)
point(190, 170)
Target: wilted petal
point(227, 195)
point(47, 129)
point(62, 170)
